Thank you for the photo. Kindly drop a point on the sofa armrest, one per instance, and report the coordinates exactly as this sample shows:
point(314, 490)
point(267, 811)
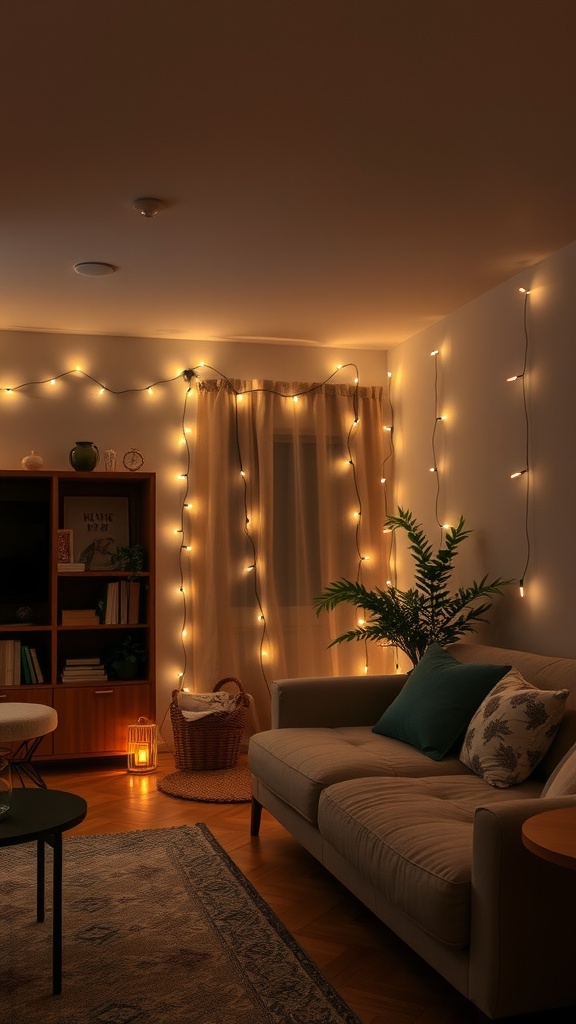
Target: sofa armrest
point(523, 910)
point(332, 701)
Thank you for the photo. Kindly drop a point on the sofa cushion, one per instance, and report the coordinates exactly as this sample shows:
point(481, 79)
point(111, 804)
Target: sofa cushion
point(437, 702)
point(512, 730)
point(562, 782)
point(297, 764)
point(411, 839)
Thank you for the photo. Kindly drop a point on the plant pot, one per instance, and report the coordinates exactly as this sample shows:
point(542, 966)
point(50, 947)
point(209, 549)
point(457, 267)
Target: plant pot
point(126, 670)
point(84, 456)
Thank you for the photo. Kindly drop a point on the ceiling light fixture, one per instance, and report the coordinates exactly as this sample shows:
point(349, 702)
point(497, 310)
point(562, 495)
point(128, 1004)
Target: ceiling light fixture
point(94, 269)
point(147, 206)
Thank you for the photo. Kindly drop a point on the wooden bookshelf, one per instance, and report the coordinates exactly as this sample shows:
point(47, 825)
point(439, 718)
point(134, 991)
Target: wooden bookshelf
point(93, 713)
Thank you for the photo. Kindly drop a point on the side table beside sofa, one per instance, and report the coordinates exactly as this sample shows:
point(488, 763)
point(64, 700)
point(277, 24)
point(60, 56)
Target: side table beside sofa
point(431, 847)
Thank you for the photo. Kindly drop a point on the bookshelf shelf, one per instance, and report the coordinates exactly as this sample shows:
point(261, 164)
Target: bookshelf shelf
point(36, 594)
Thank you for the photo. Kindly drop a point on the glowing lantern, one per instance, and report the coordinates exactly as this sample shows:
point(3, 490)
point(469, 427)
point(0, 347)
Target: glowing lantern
point(142, 747)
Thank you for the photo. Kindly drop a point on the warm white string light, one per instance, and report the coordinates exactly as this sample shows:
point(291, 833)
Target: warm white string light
point(391, 552)
point(438, 418)
point(525, 471)
point(189, 376)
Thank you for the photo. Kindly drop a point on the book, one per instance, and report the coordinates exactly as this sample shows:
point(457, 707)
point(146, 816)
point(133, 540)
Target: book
point(79, 617)
point(6, 675)
point(86, 673)
point(97, 673)
point(9, 663)
point(133, 601)
point(36, 664)
point(71, 567)
point(111, 605)
point(27, 675)
point(82, 661)
point(123, 602)
point(83, 669)
point(17, 662)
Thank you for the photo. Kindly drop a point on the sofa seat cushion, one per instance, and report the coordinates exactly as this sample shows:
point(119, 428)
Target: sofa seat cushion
point(411, 839)
point(297, 764)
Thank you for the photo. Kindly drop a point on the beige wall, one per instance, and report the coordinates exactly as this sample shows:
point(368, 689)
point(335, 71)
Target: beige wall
point(482, 441)
point(50, 419)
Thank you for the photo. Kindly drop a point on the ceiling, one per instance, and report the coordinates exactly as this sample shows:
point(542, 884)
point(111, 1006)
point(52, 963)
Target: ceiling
point(334, 172)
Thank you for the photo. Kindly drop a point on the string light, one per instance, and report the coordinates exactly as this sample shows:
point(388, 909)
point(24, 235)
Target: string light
point(190, 376)
point(438, 418)
point(391, 555)
point(104, 387)
point(238, 396)
point(525, 472)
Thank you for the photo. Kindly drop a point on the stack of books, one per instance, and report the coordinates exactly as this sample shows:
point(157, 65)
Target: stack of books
point(83, 669)
point(80, 617)
point(19, 665)
point(71, 566)
point(31, 671)
point(10, 654)
point(121, 603)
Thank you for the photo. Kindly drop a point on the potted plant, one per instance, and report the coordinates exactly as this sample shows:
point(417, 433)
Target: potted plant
point(129, 558)
point(127, 659)
point(427, 612)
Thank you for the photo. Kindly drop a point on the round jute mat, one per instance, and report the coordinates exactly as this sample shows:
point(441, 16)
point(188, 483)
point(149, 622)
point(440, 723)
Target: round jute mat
point(229, 786)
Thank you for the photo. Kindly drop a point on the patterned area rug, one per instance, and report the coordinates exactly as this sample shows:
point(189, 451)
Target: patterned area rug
point(230, 786)
point(160, 927)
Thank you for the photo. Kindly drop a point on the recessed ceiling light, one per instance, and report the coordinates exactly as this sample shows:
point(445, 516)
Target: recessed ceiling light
point(94, 269)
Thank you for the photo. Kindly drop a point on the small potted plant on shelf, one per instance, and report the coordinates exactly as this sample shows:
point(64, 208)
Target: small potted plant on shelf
point(425, 613)
point(127, 659)
point(129, 558)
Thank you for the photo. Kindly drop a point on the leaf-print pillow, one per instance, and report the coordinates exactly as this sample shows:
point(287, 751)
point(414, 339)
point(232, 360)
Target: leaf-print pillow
point(512, 730)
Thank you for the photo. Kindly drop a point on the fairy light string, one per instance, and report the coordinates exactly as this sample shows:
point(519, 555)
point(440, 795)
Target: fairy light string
point(253, 566)
point(437, 420)
point(188, 376)
point(392, 570)
point(525, 471)
point(192, 378)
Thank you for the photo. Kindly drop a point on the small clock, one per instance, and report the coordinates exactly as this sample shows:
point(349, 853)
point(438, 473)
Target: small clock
point(133, 459)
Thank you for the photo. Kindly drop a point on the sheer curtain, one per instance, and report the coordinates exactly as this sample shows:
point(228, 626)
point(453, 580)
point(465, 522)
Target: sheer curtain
point(287, 496)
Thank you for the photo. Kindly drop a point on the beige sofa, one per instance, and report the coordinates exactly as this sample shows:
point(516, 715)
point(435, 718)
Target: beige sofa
point(432, 849)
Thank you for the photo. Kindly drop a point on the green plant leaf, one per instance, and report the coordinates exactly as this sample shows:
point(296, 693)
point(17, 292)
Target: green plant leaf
point(428, 612)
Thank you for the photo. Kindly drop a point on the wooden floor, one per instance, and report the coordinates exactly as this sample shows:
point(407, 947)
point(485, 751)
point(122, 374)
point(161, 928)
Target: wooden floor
point(379, 977)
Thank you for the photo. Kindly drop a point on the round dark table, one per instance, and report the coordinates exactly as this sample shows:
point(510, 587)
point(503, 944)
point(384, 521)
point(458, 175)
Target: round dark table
point(41, 816)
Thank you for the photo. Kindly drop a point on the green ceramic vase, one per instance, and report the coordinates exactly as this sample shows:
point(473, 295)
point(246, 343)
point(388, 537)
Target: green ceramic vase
point(84, 456)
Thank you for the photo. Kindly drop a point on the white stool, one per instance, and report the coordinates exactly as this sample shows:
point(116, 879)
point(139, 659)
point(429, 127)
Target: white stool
point(22, 729)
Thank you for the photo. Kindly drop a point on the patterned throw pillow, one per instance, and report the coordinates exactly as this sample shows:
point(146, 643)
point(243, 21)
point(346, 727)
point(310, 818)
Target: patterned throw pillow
point(562, 782)
point(512, 730)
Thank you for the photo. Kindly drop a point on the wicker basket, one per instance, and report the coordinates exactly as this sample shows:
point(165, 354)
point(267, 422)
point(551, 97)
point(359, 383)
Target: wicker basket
point(212, 742)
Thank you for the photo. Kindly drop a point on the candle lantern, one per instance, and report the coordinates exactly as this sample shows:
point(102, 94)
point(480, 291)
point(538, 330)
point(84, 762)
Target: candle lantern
point(142, 747)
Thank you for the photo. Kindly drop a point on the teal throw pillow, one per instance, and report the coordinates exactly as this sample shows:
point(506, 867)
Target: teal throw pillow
point(437, 701)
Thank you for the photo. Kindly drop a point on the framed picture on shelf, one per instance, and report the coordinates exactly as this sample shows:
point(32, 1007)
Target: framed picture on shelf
point(65, 546)
point(99, 526)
